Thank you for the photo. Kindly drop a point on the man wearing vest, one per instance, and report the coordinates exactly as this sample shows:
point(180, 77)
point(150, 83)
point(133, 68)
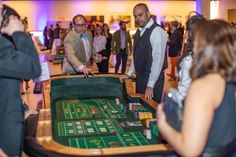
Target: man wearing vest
point(149, 58)
point(79, 49)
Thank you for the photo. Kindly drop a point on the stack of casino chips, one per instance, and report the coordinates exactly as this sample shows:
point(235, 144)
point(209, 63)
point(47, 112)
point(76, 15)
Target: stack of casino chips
point(146, 119)
point(145, 115)
point(117, 102)
point(152, 128)
point(122, 107)
point(147, 133)
point(152, 124)
point(133, 106)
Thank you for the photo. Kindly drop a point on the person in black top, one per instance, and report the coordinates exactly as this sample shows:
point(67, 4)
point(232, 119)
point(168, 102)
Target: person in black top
point(50, 36)
point(108, 36)
point(45, 37)
point(17, 62)
point(209, 116)
point(57, 32)
point(175, 45)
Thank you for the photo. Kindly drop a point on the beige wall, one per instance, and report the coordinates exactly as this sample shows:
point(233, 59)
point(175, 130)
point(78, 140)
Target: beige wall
point(203, 7)
point(224, 6)
point(38, 12)
point(232, 15)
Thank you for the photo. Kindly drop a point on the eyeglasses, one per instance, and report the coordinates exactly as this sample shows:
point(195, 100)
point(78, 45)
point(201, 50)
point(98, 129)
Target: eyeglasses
point(80, 25)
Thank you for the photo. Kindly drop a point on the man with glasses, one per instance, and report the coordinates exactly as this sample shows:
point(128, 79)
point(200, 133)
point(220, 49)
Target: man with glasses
point(79, 50)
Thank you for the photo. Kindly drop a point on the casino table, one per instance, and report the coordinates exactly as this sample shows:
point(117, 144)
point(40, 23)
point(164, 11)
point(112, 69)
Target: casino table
point(95, 116)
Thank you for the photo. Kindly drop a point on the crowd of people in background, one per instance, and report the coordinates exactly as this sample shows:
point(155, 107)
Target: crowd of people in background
point(119, 44)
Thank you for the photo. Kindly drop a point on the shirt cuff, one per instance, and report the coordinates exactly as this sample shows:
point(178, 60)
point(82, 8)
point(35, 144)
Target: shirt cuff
point(80, 68)
point(130, 73)
point(151, 84)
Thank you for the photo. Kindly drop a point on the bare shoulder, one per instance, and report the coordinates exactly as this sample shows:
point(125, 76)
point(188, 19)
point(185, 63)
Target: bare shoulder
point(209, 81)
point(209, 89)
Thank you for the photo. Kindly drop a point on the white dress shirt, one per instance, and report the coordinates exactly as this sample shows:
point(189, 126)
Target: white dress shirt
point(184, 80)
point(99, 43)
point(158, 41)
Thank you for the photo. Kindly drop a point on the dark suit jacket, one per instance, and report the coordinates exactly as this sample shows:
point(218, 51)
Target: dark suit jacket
point(16, 63)
point(175, 43)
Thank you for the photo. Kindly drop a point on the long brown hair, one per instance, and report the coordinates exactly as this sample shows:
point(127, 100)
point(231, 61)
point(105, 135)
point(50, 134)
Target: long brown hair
point(215, 50)
point(99, 27)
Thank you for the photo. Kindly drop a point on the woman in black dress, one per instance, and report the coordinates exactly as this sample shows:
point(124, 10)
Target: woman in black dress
point(108, 36)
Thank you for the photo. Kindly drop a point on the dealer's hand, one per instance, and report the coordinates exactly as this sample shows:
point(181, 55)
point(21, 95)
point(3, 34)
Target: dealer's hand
point(123, 77)
point(149, 93)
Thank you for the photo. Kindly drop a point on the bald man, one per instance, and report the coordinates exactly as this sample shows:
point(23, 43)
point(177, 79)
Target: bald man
point(149, 58)
point(79, 50)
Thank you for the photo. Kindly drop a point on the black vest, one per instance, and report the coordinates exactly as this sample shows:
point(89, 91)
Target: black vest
point(143, 51)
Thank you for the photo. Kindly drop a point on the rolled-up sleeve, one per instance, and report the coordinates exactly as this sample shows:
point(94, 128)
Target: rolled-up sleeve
point(158, 41)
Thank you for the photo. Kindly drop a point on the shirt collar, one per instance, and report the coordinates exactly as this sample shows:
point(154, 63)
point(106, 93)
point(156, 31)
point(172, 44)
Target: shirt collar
point(173, 30)
point(148, 25)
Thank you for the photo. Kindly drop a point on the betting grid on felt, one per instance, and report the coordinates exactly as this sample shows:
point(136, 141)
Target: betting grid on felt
point(92, 118)
point(101, 130)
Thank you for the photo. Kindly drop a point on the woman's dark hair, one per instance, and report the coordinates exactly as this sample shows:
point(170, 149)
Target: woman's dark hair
point(191, 24)
point(215, 50)
point(100, 27)
point(6, 12)
point(105, 24)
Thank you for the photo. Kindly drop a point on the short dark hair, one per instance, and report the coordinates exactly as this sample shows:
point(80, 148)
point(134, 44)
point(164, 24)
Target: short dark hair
point(174, 23)
point(79, 15)
point(142, 5)
point(121, 22)
point(193, 21)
